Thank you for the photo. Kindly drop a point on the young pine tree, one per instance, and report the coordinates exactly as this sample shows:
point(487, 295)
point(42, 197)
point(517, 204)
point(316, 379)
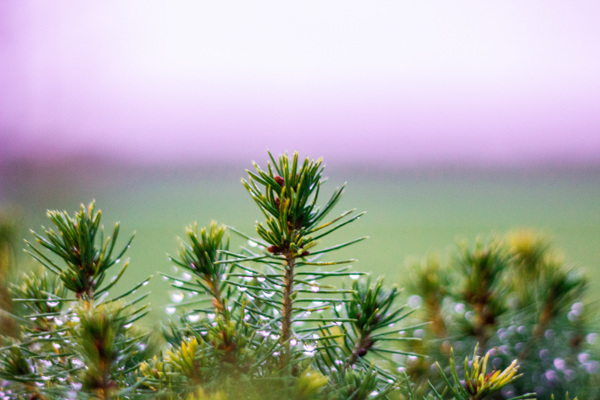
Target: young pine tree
point(275, 319)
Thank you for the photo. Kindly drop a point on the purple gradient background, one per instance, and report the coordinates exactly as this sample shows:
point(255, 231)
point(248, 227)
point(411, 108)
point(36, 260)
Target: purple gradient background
point(406, 83)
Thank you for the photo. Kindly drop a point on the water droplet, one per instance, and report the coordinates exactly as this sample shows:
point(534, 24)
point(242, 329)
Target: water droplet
point(252, 243)
point(186, 277)
point(145, 283)
point(374, 393)
point(314, 288)
point(210, 316)
point(127, 326)
point(354, 276)
point(178, 283)
point(177, 297)
point(165, 278)
point(52, 303)
point(309, 347)
point(193, 317)
point(58, 322)
point(519, 346)
point(261, 279)
point(293, 342)
point(583, 357)
point(591, 338)
point(75, 319)
point(268, 294)
point(339, 307)
point(559, 363)
point(118, 260)
point(170, 310)
point(415, 301)
point(591, 367)
point(550, 375)
point(242, 289)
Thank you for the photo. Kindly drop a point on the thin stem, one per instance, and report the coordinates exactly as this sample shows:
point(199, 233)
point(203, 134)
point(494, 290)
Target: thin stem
point(287, 313)
point(360, 349)
point(218, 298)
point(480, 327)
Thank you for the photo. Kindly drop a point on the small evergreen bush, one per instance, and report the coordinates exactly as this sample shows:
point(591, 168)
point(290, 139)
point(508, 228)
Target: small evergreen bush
point(269, 320)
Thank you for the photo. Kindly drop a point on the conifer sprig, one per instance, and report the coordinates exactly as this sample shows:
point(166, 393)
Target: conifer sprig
point(74, 338)
point(478, 383)
point(287, 193)
point(79, 243)
point(201, 256)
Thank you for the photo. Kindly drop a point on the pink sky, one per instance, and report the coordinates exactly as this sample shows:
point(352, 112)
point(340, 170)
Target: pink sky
point(494, 82)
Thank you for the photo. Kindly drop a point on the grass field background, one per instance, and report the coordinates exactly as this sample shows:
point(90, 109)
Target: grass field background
point(410, 213)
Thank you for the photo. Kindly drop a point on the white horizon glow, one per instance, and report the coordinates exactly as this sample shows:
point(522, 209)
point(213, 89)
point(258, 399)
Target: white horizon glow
point(402, 82)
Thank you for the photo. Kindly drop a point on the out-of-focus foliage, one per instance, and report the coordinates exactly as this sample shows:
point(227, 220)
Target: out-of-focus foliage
point(8, 246)
point(516, 299)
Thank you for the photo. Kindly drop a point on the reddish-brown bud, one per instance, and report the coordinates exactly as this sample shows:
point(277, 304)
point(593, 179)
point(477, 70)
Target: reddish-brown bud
point(279, 180)
point(275, 249)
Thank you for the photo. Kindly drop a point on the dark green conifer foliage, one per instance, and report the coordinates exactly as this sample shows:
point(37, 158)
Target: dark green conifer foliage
point(79, 243)
point(274, 319)
point(74, 342)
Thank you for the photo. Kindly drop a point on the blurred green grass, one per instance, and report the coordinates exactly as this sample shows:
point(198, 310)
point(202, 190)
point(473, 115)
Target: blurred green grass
point(410, 213)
